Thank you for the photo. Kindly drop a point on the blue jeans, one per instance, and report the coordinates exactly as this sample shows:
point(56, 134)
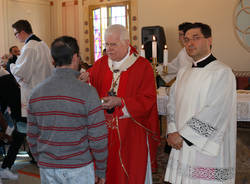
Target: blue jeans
point(82, 175)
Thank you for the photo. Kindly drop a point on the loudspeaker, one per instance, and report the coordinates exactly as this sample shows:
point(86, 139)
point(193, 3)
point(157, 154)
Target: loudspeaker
point(147, 34)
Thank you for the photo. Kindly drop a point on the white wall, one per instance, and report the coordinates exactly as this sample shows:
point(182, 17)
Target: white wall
point(217, 13)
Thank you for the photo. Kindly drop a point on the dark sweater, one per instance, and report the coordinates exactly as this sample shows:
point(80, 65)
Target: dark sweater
point(10, 96)
point(66, 124)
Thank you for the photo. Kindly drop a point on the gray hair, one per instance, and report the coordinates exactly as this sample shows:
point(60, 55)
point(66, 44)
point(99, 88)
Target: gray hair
point(118, 29)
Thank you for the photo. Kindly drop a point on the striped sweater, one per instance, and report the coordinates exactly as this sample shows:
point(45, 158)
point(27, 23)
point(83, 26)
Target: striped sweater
point(66, 124)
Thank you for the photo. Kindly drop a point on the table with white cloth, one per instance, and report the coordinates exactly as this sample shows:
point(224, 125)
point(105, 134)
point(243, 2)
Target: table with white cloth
point(243, 104)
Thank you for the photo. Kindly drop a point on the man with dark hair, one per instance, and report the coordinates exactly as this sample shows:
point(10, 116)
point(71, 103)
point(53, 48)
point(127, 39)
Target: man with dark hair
point(182, 59)
point(202, 116)
point(14, 53)
point(14, 50)
point(66, 125)
point(33, 65)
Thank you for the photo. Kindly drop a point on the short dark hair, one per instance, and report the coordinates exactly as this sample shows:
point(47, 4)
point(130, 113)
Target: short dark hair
point(10, 50)
point(205, 29)
point(22, 25)
point(63, 49)
point(182, 26)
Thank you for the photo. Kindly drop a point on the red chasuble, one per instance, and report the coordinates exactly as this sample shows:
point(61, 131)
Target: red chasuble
point(127, 149)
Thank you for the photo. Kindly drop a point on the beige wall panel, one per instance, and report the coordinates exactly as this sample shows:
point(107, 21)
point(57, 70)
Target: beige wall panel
point(37, 12)
point(218, 14)
point(70, 19)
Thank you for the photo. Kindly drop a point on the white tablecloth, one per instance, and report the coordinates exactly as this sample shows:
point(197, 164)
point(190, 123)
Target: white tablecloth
point(243, 104)
point(162, 99)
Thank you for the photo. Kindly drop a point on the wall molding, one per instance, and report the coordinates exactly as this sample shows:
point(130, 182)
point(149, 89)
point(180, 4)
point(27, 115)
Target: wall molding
point(41, 2)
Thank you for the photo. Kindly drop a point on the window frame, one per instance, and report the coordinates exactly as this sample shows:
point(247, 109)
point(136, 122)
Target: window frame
point(91, 24)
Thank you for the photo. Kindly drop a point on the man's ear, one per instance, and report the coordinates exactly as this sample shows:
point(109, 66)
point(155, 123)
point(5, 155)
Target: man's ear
point(74, 58)
point(75, 61)
point(210, 40)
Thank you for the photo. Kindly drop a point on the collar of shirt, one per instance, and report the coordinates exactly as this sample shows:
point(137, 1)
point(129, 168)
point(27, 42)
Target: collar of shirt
point(196, 62)
point(28, 37)
point(117, 64)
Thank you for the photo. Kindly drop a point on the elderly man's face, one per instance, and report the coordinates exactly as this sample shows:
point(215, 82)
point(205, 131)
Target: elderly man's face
point(115, 48)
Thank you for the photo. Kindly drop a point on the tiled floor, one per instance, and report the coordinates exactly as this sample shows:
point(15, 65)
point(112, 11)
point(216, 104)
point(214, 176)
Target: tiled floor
point(28, 172)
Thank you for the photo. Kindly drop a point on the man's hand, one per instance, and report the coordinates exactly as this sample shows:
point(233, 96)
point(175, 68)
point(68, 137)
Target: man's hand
point(109, 102)
point(175, 140)
point(99, 180)
point(84, 76)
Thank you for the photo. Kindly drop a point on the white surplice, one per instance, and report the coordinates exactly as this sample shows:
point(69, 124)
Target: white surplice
point(181, 60)
point(32, 67)
point(202, 108)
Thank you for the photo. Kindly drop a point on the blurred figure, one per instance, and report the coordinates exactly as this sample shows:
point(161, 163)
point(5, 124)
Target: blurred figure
point(83, 67)
point(14, 53)
point(182, 59)
point(10, 98)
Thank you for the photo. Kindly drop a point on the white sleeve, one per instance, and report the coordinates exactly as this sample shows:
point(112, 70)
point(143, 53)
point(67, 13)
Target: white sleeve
point(173, 66)
point(171, 108)
point(206, 129)
point(22, 70)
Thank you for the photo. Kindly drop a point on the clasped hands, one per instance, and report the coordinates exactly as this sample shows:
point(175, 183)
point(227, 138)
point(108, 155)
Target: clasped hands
point(175, 140)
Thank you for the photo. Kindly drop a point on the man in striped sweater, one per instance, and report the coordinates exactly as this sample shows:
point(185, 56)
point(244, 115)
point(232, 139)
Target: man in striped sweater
point(66, 126)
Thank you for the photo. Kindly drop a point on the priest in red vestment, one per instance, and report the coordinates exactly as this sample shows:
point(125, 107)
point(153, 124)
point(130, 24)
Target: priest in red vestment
point(125, 82)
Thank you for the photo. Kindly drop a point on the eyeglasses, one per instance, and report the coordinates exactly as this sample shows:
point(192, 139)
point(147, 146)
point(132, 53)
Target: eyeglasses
point(16, 33)
point(195, 38)
point(111, 45)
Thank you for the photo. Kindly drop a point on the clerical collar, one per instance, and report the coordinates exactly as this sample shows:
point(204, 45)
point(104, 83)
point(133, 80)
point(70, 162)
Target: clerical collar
point(204, 61)
point(32, 37)
point(117, 64)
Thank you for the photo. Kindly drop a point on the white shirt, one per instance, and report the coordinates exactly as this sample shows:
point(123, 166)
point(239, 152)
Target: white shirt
point(31, 67)
point(181, 60)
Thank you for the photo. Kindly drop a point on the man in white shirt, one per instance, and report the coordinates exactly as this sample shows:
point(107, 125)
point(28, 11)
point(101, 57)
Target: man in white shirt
point(202, 116)
point(182, 59)
point(33, 65)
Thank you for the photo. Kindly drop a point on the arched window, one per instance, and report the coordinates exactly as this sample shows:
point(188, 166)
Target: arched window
point(100, 18)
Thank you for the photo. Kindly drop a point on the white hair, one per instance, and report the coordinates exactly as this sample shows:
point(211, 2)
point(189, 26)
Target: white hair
point(118, 29)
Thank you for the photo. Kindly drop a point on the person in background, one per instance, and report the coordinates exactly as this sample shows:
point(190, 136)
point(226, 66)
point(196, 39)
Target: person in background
point(10, 99)
point(33, 65)
point(66, 125)
point(14, 53)
point(182, 59)
point(202, 116)
point(104, 52)
point(125, 82)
